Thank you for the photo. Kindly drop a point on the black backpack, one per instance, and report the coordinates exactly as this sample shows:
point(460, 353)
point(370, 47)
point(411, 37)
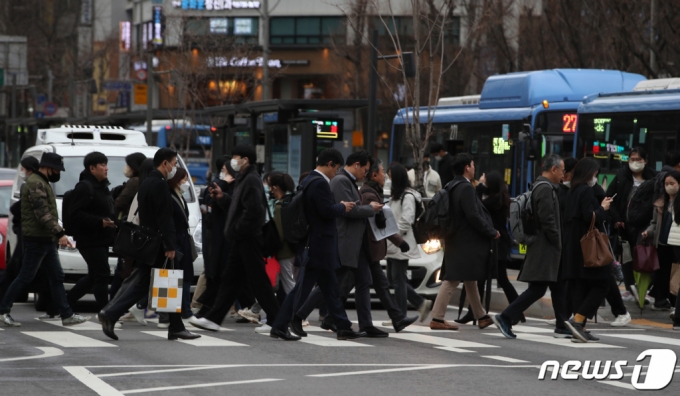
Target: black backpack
point(419, 232)
point(117, 190)
point(69, 224)
point(641, 205)
point(437, 220)
point(293, 219)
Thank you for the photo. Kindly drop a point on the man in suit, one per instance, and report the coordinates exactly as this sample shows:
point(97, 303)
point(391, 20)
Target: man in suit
point(323, 258)
point(445, 163)
point(351, 226)
point(468, 247)
point(155, 213)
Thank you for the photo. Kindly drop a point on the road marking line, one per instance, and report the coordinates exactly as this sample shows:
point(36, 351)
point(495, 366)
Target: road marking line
point(67, 339)
point(47, 352)
point(165, 388)
point(204, 341)
point(91, 381)
point(506, 359)
point(328, 342)
point(81, 326)
point(565, 342)
point(648, 338)
point(618, 384)
point(452, 349)
point(531, 329)
point(392, 370)
point(168, 370)
point(440, 341)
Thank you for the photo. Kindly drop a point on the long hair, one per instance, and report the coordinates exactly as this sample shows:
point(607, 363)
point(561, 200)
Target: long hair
point(666, 198)
point(400, 182)
point(177, 179)
point(584, 171)
point(498, 188)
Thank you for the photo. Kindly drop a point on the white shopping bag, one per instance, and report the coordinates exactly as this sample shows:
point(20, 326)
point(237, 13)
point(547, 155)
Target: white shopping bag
point(165, 294)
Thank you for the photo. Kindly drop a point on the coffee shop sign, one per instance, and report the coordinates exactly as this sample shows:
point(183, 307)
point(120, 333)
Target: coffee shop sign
point(210, 5)
point(222, 61)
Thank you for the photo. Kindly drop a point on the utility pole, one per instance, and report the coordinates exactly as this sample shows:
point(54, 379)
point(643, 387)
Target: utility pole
point(372, 94)
point(149, 98)
point(265, 50)
point(652, 55)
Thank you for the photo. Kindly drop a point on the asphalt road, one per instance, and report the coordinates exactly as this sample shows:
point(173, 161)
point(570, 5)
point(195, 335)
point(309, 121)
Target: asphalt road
point(43, 358)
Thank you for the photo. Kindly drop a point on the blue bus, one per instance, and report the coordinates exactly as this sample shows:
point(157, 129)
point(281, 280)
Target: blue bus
point(517, 113)
point(611, 124)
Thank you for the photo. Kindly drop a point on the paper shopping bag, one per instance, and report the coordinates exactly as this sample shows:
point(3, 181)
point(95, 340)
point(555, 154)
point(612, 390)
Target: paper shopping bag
point(165, 294)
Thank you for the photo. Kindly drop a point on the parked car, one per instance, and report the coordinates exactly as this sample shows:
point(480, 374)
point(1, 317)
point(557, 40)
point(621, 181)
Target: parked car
point(7, 173)
point(5, 202)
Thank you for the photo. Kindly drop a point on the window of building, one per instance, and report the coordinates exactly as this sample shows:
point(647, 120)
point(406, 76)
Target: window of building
point(219, 25)
point(401, 26)
point(226, 26)
point(452, 33)
point(243, 26)
point(307, 30)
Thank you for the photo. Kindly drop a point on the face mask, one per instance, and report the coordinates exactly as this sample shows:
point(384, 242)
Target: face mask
point(54, 177)
point(172, 173)
point(438, 157)
point(184, 187)
point(636, 166)
point(672, 190)
point(266, 189)
point(235, 164)
point(567, 183)
point(128, 172)
point(223, 175)
point(593, 182)
point(22, 175)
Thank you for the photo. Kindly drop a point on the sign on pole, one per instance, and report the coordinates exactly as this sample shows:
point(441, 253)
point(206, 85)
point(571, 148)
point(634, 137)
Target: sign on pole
point(141, 94)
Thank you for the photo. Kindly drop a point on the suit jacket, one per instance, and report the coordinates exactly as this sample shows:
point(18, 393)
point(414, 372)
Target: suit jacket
point(155, 208)
point(246, 214)
point(351, 225)
point(321, 212)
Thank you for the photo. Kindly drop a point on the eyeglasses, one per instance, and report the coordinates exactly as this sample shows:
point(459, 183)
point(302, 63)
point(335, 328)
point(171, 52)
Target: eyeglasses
point(562, 170)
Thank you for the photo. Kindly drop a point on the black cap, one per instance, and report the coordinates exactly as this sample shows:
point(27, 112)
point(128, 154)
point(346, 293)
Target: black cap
point(135, 160)
point(30, 163)
point(52, 160)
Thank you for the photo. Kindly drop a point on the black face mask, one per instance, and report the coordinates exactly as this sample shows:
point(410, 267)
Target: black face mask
point(54, 177)
point(426, 164)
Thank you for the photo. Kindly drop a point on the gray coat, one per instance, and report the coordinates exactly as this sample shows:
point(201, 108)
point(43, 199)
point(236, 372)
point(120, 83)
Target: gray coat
point(542, 262)
point(351, 225)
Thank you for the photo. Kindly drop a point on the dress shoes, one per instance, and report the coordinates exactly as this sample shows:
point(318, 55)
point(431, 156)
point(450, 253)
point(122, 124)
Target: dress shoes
point(484, 322)
point(107, 326)
point(442, 325)
point(404, 323)
point(286, 336)
point(183, 335)
point(374, 332)
point(328, 324)
point(350, 334)
point(296, 327)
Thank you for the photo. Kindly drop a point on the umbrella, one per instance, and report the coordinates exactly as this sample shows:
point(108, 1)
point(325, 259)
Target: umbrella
point(643, 280)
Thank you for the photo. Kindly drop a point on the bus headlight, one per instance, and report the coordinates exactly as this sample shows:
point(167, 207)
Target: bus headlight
point(432, 246)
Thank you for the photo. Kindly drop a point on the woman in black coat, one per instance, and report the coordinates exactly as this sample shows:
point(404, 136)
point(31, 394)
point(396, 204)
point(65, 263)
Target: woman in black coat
point(179, 185)
point(589, 285)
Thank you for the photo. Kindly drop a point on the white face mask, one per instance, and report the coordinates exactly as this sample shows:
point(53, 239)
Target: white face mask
point(636, 166)
point(567, 183)
point(438, 157)
point(172, 173)
point(184, 187)
point(593, 182)
point(128, 172)
point(223, 175)
point(22, 175)
point(235, 164)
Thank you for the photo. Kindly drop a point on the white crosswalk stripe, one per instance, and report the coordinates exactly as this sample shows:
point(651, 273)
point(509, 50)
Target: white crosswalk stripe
point(646, 338)
point(67, 339)
point(88, 326)
point(440, 341)
point(204, 341)
point(565, 342)
point(327, 341)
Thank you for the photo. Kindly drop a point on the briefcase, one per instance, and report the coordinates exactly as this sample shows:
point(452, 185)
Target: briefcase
point(140, 243)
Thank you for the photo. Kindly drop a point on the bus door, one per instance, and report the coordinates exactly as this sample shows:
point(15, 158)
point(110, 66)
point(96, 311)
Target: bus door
point(660, 143)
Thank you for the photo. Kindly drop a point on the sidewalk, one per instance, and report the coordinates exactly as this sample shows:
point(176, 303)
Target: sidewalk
point(542, 309)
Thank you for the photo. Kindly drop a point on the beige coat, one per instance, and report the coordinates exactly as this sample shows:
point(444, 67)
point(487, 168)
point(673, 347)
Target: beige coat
point(433, 183)
point(405, 215)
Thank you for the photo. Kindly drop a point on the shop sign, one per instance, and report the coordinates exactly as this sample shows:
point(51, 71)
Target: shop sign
point(223, 61)
point(215, 5)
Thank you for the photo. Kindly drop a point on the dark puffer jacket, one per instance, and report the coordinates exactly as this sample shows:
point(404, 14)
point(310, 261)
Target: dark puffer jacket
point(88, 212)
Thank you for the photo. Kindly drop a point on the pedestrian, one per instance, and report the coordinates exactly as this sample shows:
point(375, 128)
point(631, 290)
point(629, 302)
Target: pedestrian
point(41, 233)
point(374, 251)
point(246, 266)
point(90, 213)
point(155, 213)
point(541, 267)
point(403, 202)
point(432, 183)
point(589, 285)
point(468, 247)
point(353, 271)
point(281, 185)
point(445, 161)
point(321, 249)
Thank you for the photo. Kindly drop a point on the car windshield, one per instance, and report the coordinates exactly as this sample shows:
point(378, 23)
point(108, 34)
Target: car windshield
point(5, 200)
point(74, 165)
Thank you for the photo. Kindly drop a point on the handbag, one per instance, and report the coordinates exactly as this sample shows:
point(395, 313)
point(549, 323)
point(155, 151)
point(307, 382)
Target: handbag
point(165, 293)
point(194, 252)
point(626, 254)
point(645, 258)
point(140, 243)
point(675, 279)
point(270, 236)
point(595, 248)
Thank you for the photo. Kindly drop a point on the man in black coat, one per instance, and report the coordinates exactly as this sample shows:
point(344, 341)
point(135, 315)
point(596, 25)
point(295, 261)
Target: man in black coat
point(445, 162)
point(155, 213)
point(90, 212)
point(245, 267)
point(323, 258)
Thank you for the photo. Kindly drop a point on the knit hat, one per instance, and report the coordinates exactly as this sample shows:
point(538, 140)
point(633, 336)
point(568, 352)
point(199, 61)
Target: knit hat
point(30, 163)
point(52, 160)
point(135, 160)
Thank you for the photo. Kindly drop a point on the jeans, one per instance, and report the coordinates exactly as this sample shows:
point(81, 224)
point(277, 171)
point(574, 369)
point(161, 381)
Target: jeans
point(97, 278)
point(37, 254)
point(403, 291)
point(533, 293)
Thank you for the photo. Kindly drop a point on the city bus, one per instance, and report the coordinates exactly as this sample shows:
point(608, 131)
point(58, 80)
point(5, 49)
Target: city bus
point(611, 124)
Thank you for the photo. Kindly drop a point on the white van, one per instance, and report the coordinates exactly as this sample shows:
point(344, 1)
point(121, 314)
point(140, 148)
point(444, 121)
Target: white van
point(73, 142)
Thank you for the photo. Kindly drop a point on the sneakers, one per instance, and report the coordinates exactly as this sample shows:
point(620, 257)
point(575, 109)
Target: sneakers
point(589, 339)
point(577, 330)
point(551, 322)
point(150, 314)
point(627, 296)
point(264, 329)
point(203, 323)
point(74, 320)
point(163, 325)
point(48, 317)
point(661, 305)
point(305, 323)
point(7, 320)
point(424, 310)
point(562, 333)
point(249, 315)
point(387, 323)
point(138, 314)
point(503, 326)
point(621, 320)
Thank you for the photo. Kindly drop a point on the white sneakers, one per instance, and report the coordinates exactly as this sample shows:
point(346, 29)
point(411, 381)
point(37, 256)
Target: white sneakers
point(138, 314)
point(387, 323)
point(264, 329)
point(621, 320)
point(7, 320)
point(203, 323)
point(250, 315)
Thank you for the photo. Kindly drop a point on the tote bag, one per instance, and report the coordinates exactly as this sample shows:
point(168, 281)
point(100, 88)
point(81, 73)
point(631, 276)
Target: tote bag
point(595, 248)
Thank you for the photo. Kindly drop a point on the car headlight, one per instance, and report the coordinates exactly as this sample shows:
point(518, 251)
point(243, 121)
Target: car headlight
point(198, 237)
point(432, 246)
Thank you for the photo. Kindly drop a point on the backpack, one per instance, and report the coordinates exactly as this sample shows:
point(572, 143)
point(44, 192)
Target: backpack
point(522, 222)
point(436, 220)
point(293, 219)
point(69, 223)
point(641, 205)
point(117, 190)
point(418, 232)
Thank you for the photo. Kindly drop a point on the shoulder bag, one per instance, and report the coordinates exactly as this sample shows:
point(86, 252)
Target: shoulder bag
point(595, 248)
point(140, 243)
